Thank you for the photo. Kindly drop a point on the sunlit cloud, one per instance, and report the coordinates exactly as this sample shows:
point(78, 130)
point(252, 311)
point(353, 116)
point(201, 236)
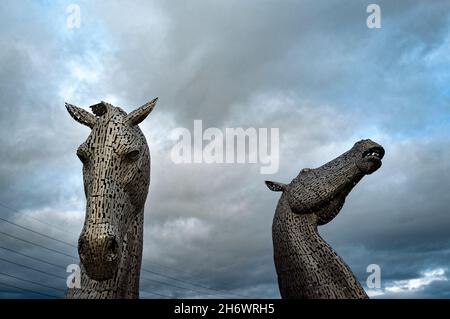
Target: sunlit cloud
point(411, 285)
point(427, 278)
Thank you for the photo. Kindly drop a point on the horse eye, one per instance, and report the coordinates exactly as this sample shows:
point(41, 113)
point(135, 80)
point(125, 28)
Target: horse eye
point(132, 156)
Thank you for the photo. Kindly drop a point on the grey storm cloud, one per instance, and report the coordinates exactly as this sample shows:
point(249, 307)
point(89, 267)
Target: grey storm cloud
point(310, 68)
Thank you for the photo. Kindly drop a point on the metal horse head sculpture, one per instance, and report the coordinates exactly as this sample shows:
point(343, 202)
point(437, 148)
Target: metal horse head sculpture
point(116, 173)
point(306, 265)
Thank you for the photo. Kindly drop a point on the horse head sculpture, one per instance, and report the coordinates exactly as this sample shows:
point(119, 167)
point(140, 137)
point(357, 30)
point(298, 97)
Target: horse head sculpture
point(116, 173)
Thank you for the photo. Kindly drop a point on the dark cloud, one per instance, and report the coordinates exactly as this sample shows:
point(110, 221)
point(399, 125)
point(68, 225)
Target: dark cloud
point(311, 68)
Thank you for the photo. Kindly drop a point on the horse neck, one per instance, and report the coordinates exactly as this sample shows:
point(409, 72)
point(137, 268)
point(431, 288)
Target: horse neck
point(311, 256)
point(130, 265)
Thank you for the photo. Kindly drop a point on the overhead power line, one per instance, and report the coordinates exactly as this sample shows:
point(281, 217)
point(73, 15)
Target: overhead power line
point(32, 268)
point(156, 294)
point(31, 257)
point(38, 233)
point(176, 286)
point(191, 283)
point(28, 290)
point(38, 245)
point(62, 267)
point(144, 269)
point(56, 276)
point(30, 281)
point(65, 231)
point(75, 257)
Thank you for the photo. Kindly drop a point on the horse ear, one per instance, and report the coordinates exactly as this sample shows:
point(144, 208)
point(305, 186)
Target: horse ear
point(138, 115)
point(275, 186)
point(81, 116)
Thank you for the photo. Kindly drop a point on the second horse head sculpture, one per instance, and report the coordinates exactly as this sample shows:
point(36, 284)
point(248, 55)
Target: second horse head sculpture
point(307, 267)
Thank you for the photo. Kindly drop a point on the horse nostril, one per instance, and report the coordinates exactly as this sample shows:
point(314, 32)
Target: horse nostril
point(81, 248)
point(112, 249)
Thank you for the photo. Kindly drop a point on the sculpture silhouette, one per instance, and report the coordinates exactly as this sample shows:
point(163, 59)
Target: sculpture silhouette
point(116, 173)
point(307, 267)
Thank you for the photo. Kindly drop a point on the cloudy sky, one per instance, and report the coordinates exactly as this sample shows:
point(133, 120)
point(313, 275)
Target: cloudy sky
point(310, 68)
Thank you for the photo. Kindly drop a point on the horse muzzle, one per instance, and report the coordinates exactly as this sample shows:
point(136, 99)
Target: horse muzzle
point(99, 252)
